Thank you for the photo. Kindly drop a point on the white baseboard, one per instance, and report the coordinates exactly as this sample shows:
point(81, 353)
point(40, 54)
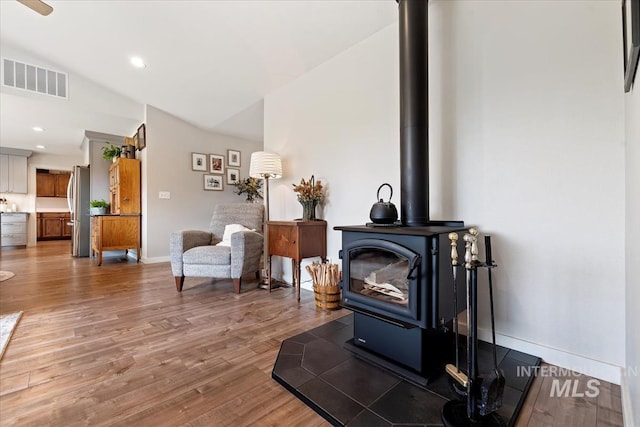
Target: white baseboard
point(627, 406)
point(577, 363)
point(584, 365)
point(154, 260)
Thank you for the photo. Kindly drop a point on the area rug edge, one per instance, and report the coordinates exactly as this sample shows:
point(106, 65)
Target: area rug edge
point(15, 325)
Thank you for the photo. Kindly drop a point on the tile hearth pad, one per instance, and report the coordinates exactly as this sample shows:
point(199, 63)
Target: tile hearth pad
point(348, 391)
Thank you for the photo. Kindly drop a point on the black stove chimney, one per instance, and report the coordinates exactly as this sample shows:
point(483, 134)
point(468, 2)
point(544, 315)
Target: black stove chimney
point(414, 113)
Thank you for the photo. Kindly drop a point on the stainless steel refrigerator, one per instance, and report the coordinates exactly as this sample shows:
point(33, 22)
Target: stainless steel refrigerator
point(78, 195)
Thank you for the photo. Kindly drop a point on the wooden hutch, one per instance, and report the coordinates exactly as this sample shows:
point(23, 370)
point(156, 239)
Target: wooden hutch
point(120, 229)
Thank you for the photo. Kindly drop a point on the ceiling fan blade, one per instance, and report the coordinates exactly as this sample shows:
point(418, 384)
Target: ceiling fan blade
point(37, 5)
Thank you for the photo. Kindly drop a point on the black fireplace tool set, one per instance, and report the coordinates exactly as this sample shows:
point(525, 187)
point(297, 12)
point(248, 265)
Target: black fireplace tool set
point(479, 396)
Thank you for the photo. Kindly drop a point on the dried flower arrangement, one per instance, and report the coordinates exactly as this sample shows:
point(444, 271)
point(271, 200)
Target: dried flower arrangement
point(309, 191)
point(252, 187)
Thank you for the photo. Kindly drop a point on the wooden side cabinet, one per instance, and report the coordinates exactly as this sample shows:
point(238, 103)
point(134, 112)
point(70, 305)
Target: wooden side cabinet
point(296, 240)
point(124, 186)
point(113, 233)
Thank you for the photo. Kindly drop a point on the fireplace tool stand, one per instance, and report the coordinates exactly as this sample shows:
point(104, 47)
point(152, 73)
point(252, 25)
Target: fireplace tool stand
point(479, 396)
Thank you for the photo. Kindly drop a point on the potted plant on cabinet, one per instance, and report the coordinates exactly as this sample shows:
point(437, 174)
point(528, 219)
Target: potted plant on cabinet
point(111, 152)
point(98, 207)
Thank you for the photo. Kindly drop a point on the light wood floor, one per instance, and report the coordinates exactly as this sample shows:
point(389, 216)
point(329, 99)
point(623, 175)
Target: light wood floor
point(117, 345)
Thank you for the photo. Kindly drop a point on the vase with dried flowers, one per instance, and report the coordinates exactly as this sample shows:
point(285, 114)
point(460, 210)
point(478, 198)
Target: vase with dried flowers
point(252, 187)
point(310, 193)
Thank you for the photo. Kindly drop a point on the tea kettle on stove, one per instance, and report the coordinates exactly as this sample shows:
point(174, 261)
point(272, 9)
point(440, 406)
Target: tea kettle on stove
point(383, 212)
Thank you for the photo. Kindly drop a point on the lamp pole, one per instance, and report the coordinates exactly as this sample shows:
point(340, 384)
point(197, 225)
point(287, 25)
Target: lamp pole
point(266, 184)
point(265, 165)
point(267, 265)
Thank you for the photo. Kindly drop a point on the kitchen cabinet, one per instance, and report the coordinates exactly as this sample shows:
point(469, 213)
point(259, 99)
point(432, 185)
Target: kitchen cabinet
point(45, 185)
point(115, 232)
point(62, 181)
point(54, 225)
point(13, 229)
point(124, 186)
point(13, 174)
point(52, 184)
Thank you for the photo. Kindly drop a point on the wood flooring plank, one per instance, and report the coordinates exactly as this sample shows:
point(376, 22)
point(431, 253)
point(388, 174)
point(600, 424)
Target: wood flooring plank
point(568, 409)
point(609, 405)
point(14, 383)
point(529, 402)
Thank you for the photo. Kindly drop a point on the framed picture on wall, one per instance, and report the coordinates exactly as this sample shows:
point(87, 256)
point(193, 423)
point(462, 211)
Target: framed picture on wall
point(233, 176)
point(213, 182)
point(198, 162)
point(216, 163)
point(142, 137)
point(631, 40)
point(233, 158)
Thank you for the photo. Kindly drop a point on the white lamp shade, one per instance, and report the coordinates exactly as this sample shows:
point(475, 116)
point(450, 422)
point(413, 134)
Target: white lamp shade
point(265, 165)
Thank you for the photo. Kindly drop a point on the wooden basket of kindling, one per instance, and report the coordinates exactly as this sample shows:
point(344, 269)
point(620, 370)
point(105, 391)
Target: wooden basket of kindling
point(326, 284)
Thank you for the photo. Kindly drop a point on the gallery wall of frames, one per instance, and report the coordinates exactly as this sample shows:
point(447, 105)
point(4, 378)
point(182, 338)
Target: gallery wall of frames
point(217, 169)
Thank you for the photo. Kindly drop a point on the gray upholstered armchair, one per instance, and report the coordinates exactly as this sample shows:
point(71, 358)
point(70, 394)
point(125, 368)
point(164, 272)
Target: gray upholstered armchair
point(197, 253)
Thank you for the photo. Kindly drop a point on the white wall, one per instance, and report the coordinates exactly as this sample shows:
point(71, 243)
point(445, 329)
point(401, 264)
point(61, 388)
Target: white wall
point(632, 298)
point(166, 166)
point(526, 138)
point(51, 204)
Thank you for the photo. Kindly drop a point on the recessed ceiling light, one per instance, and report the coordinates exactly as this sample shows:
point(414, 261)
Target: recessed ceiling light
point(38, 129)
point(42, 147)
point(137, 62)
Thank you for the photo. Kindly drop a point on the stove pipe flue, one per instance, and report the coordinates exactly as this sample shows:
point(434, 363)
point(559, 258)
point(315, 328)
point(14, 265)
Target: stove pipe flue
point(414, 113)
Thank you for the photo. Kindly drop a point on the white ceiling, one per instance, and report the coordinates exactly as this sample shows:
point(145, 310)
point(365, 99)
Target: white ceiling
point(210, 63)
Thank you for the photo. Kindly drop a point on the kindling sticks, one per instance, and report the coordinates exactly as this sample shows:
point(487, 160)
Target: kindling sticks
point(324, 274)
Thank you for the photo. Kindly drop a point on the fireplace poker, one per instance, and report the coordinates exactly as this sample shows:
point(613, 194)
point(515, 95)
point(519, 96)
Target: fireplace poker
point(493, 384)
point(455, 372)
point(471, 260)
point(484, 394)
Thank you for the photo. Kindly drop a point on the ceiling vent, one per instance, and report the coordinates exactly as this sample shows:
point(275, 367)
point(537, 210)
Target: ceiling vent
point(36, 79)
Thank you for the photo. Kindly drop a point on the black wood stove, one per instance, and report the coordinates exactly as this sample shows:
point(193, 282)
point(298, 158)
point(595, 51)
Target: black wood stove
point(398, 282)
point(397, 279)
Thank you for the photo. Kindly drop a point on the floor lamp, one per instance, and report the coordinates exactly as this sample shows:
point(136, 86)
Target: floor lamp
point(265, 165)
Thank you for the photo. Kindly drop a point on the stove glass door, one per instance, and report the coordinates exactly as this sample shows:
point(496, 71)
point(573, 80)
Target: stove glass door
point(379, 274)
point(382, 277)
